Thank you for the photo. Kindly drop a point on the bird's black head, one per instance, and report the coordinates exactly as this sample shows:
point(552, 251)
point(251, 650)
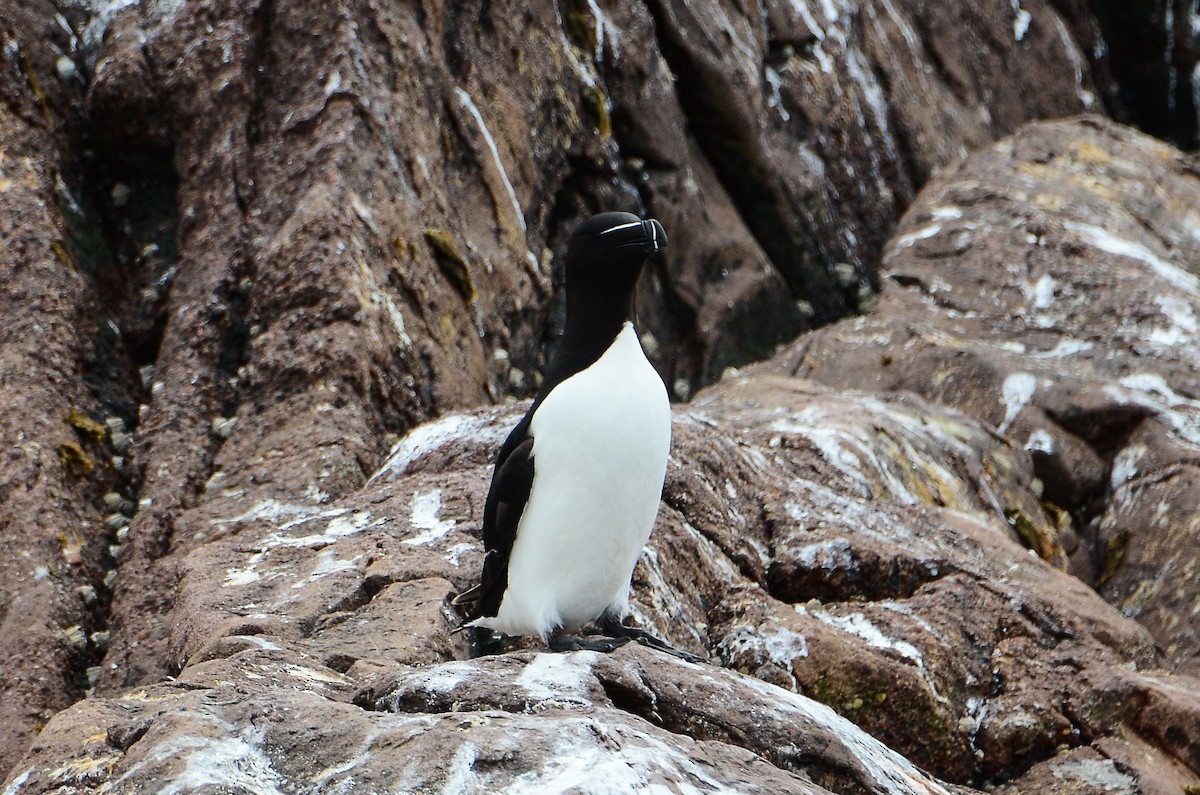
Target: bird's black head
point(609, 250)
point(605, 255)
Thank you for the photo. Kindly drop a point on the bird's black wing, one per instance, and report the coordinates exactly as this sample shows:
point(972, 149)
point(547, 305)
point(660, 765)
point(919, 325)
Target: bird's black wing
point(511, 483)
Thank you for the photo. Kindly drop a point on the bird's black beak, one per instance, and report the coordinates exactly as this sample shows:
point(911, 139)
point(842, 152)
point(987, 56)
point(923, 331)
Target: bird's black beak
point(655, 234)
point(647, 236)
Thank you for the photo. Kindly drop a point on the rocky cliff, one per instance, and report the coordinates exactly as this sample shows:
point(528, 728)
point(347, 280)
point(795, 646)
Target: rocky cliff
point(276, 278)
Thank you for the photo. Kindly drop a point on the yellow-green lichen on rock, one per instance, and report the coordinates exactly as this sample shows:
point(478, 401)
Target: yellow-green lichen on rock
point(452, 264)
point(74, 460)
point(79, 420)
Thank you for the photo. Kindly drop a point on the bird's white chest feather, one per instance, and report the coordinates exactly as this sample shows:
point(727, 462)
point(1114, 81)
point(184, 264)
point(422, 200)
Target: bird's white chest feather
point(601, 440)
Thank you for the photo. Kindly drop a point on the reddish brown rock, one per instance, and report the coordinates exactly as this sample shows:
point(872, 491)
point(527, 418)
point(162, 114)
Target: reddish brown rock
point(257, 243)
point(506, 724)
point(57, 479)
point(1049, 287)
point(796, 544)
point(299, 231)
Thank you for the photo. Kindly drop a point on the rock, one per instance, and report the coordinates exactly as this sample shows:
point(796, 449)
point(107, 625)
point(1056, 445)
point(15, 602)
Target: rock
point(1048, 288)
point(325, 224)
point(54, 348)
point(1084, 770)
point(552, 721)
point(328, 224)
point(929, 606)
point(820, 122)
point(1143, 61)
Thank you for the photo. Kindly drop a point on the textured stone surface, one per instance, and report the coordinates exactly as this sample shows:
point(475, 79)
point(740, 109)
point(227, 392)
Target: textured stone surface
point(248, 246)
point(849, 548)
point(55, 466)
point(1051, 288)
point(517, 723)
point(261, 239)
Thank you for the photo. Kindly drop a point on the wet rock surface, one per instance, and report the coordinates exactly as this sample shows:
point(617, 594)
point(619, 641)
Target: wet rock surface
point(250, 248)
point(1143, 58)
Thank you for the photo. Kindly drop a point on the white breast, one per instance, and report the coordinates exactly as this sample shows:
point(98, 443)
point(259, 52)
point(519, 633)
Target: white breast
point(601, 440)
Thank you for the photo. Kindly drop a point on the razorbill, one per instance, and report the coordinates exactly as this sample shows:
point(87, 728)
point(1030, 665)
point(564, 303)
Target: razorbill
point(578, 481)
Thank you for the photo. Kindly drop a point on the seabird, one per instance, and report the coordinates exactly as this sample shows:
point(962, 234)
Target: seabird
point(578, 481)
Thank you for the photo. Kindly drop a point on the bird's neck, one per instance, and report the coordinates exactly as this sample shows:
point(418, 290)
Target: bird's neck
point(593, 322)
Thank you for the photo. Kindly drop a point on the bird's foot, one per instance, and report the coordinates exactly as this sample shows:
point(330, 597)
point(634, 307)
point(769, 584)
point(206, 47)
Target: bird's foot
point(616, 630)
point(483, 642)
point(579, 643)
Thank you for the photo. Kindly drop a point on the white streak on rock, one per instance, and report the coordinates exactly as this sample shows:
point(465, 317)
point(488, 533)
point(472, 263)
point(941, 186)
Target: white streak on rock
point(818, 50)
point(424, 510)
point(768, 643)
point(606, 31)
point(441, 678)
point(832, 555)
point(1021, 20)
point(15, 785)
point(1100, 773)
point(775, 99)
point(584, 761)
point(859, 625)
point(1040, 441)
point(558, 677)
point(889, 772)
point(906, 240)
point(1152, 391)
point(1063, 348)
point(1106, 241)
point(1179, 314)
point(453, 555)
point(230, 762)
point(462, 778)
point(1086, 98)
point(274, 510)
point(1016, 393)
point(328, 563)
point(428, 437)
point(338, 527)
point(661, 595)
point(860, 72)
point(1125, 465)
point(945, 212)
point(465, 101)
point(389, 308)
point(1043, 292)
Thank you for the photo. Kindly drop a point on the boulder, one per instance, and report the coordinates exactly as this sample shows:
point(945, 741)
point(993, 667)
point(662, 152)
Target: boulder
point(264, 721)
point(824, 548)
point(1050, 288)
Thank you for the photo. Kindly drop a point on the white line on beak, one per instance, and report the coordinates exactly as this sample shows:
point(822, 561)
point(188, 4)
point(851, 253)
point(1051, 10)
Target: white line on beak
point(629, 225)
